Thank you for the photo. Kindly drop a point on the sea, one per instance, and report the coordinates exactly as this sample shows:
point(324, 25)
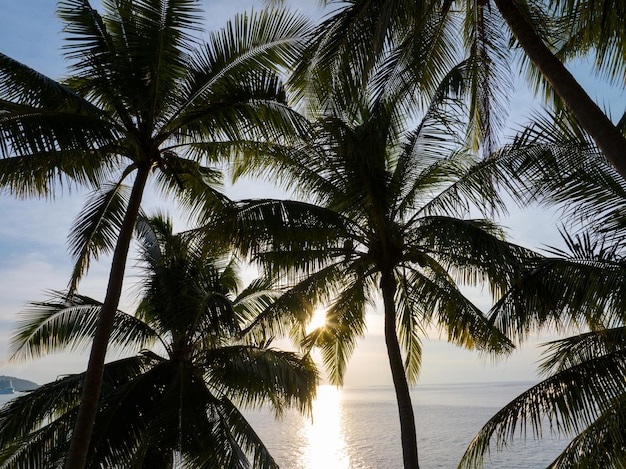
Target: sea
point(358, 428)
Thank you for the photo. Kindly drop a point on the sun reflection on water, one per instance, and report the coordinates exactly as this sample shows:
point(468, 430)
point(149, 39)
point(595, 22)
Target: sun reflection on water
point(324, 433)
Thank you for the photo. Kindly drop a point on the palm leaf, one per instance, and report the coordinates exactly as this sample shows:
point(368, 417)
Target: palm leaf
point(255, 376)
point(68, 322)
point(601, 444)
point(570, 401)
point(438, 300)
point(410, 325)
point(562, 293)
point(488, 74)
point(474, 251)
point(345, 323)
point(96, 230)
point(196, 188)
point(264, 40)
point(561, 354)
point(35, 427)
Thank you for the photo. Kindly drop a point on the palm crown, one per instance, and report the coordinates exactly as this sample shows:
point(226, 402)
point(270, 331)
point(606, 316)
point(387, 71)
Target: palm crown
point(144, 96)
point(177, 399)
point(383, 222)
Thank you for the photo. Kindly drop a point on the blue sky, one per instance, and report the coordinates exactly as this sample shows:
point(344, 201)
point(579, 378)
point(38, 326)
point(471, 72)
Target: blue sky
point(34, 257)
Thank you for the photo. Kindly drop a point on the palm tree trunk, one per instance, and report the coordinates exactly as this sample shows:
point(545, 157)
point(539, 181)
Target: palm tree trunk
point(608, 138)
point(83, 427)
point(403, 397)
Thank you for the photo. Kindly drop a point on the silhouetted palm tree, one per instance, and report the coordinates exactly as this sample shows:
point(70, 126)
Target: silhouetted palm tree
point(584, 392)
point(385, 220)
point(144, 97)
point(175, 401)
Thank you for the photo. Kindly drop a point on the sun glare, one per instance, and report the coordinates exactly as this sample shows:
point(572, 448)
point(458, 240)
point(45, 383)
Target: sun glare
point(318, 320)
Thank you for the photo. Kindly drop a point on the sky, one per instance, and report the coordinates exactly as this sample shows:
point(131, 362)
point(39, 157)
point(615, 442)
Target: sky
point(34, 256)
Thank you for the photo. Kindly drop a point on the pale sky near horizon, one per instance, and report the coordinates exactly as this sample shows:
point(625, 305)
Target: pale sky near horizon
point(34, 257)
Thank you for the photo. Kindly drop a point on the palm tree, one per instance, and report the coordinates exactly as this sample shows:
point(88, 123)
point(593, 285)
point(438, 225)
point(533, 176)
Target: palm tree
point(578, 289)
point(176, 400)
point(412, 41)
point(145, 97)
point(583, 394)
point(384, 219)
point(595, 31)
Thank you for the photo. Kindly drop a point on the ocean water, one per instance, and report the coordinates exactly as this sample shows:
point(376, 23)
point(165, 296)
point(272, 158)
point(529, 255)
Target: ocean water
point(7, 397)
point(358, 428)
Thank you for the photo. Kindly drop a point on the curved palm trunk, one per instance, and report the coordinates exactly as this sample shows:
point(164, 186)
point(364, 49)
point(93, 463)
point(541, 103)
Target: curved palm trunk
point(589, 115)
point(83, 427)
point(401, 386)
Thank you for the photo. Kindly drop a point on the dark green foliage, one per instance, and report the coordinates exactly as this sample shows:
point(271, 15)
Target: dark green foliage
point(176, 399)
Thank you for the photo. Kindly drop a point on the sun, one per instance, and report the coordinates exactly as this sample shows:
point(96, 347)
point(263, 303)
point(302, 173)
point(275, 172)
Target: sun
point(317, 320)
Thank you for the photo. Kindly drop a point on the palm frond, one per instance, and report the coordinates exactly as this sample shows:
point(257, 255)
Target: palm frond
point(556, 164)
point(473, 251)
point(96, 229)
point(292, 310)
point(437, 300)
point(488, 74)
point(255, 298)
point(36, 427)
point(256, 376)
point(331, 58)
point(410, 325)
point(562, 293)
point(601, 444)
point(568, 402)
point(561, 354)
point(68, 322)
point(235, 439)
point(42, 174)
point(22, 84)
point(197, 188)
point(594, 26)
point(129, 45)
point(285, 225)
point(46, 447)
point(252, 106)
point(29, 411)
point(265, 40)
point(345, 324)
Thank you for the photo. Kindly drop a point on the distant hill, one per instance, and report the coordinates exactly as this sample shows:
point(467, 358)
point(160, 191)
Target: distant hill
point(21, 384)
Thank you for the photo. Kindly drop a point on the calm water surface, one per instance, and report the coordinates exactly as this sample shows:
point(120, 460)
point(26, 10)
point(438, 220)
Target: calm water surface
point(357, 428)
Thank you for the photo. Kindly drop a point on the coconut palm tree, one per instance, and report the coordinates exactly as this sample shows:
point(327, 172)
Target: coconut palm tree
point(175, 400)
point(145, 96)
point(578, 290)
point(412, 41)
point(583, 394)
point(588, 25)
point(385, 218)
